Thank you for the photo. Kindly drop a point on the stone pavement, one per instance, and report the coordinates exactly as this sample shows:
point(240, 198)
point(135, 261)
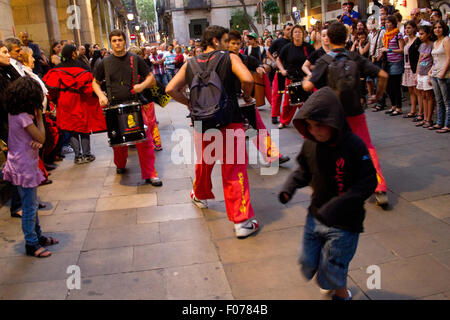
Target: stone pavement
point(135, 241)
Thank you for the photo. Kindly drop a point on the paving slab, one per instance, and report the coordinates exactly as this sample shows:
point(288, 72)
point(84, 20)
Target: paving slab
point(187, 229)
point(199, 280)
point(436, 206)
point(144, 285)
point(66, 222)
point(42, 290)
point(106, 261)
point(114, 218)
point(126, 202)
point(75, 206)
point(168, 213)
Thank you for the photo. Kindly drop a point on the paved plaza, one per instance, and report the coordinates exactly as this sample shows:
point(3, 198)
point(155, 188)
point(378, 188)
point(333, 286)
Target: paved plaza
point(136, 241)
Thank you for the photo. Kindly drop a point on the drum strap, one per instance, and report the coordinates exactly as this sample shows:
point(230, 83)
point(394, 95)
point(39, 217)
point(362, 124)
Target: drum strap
point(107, 64)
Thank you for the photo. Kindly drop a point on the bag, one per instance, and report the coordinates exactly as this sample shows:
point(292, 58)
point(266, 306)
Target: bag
point(3, 151)
point(343, 77)
point(209, 101)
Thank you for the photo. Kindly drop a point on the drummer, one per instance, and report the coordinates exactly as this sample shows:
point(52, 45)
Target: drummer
point(290, 62)
point(262, 79)
point(123, 88)
point(268, 148)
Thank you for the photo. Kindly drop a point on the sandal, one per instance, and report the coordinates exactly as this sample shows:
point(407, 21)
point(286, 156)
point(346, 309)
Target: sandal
point(47, 241)
point(427, 124)
point(418, 118)
point(409, 115)
point(389, 111)
point(443, 130)
point(377, 108)
point(435, 127)
point(396, 113)
point(37, 251)
point(421, 123)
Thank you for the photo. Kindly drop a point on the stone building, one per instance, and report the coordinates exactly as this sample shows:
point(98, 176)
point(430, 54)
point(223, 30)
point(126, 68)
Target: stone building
point(85, 21)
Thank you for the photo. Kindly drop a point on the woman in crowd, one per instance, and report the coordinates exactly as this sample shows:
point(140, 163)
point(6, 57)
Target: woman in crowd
point(411, 56)
point(290, 62)
point(55, 58)
point(393, 49)
point(179, 58)
point(424, 87)
point(308, 66)
point(440, 76)
point(96, 56)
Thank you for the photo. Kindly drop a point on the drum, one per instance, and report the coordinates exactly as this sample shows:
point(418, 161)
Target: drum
point(157, 94)
point(259, 90)
point(296, 94)
point(249, 112)
point(125, 124)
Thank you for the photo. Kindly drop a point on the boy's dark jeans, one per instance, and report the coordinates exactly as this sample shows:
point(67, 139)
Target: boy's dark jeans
point(327, 251)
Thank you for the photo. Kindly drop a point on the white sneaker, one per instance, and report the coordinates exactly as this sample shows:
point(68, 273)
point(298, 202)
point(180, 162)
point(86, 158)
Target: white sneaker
point(67, 149)
point(202, 204)
point(246, 228)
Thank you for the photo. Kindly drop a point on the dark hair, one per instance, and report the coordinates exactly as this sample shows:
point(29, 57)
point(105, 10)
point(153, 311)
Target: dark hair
point(443, 25)
point(361, 33)
point(351, 4)
point(288, 24)
point(412, 23)
point(234, 35)
point(439, 12)
point(67, 52)
point(392, 19)
point(211, 33)
point(12, 41)
point(384, 8)
point(398, 16)
point(23, 95)
point(53, 47)
point(117, 33)
point(428, 30)
point(95, 56)
point(297, 27)
point(337, 32)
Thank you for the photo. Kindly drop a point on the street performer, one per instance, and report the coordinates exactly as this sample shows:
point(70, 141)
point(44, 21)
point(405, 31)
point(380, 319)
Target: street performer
point(118, 70)
point(224, 70)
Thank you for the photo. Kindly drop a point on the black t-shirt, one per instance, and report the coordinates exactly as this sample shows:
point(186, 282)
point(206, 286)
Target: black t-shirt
point(293, 57)
point(121, 76)
point(277, 45)
point(313, 57)
point(365, 67)
point(257, 53)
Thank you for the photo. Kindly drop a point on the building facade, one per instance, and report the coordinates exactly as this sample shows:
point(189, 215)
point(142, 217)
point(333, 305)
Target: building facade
point(84, 21)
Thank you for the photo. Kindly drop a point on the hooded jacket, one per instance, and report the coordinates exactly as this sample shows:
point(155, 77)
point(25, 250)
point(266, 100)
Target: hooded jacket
point(340, 171)
point(70, 87)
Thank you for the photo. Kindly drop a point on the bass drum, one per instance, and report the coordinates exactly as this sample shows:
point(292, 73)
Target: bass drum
point(125, 124)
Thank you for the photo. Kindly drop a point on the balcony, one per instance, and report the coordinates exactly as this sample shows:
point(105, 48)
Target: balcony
point(197, 5)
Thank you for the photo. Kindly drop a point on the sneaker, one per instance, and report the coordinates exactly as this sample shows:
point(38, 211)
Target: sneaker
point(350, 297)
point(284, 159)
point(67, 149)
point(156, 182)
point(202, 204)
point(89, 158)
point(381, 199)
point(326, 292)
point(78, 160)
point(246, 228)
point(120, 170)
point(275, 120)
point(282, 126)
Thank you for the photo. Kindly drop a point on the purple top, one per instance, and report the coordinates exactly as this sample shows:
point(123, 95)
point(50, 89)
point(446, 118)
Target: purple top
point(426, 62)
point(21, 167)
point(393, 44)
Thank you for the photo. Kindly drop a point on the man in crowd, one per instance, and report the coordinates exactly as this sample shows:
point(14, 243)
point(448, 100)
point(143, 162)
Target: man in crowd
point(435, 16)
point(121, 87)
point(36, 53)
point(279, 81)
point(230, 70)
point(14, 47)
point(157, 61)
point(417, 16)
point(349, 16)
point(82, 57)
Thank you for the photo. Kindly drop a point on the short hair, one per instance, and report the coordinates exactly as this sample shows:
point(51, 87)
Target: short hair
point(136, 50)
point(235, 35)
point(211, 33)
point(359, 33)
point(26, 51)
point(23, 95)
point(398, 16)
point(384, 8)
point(428, 30)
point(392, 19)
point(117, 33)
point(444, 26)
point(9, 42)
point(411, 23)
point(337, 32)
point(288, 24)
point(297, 26)
point(351, 4)
point(438, 12)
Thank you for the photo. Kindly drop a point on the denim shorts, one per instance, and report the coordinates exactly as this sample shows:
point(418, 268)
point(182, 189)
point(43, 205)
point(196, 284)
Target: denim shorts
point(396, 68)
point(327, 251)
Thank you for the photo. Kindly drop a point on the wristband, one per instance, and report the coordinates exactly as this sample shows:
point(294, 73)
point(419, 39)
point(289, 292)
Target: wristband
point(390, 50)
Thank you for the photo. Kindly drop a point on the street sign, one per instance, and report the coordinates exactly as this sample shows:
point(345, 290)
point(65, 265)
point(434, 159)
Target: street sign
point(132, 36)
point(297, 15)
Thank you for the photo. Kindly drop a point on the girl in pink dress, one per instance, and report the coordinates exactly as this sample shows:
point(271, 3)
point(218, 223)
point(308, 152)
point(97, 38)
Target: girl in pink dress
point(26, 136)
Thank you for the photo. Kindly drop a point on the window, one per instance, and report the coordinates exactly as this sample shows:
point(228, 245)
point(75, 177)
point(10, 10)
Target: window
point(316, 3)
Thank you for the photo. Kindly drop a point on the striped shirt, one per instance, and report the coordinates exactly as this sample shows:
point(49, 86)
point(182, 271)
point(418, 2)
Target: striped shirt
point(393, 44)
point(157, 68)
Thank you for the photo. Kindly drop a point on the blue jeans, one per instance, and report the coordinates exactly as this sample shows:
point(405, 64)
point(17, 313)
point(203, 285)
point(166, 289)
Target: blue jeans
point(327, 251)
point(441, 88)
point(16, 203)
point(162, 78)
point(30, 220)
point(170, 74)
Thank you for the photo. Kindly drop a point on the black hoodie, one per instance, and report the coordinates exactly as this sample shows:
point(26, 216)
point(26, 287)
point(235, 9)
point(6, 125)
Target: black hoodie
point(340, 171)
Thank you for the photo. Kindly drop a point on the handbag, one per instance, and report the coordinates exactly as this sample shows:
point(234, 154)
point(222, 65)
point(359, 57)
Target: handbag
point(3, 151)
